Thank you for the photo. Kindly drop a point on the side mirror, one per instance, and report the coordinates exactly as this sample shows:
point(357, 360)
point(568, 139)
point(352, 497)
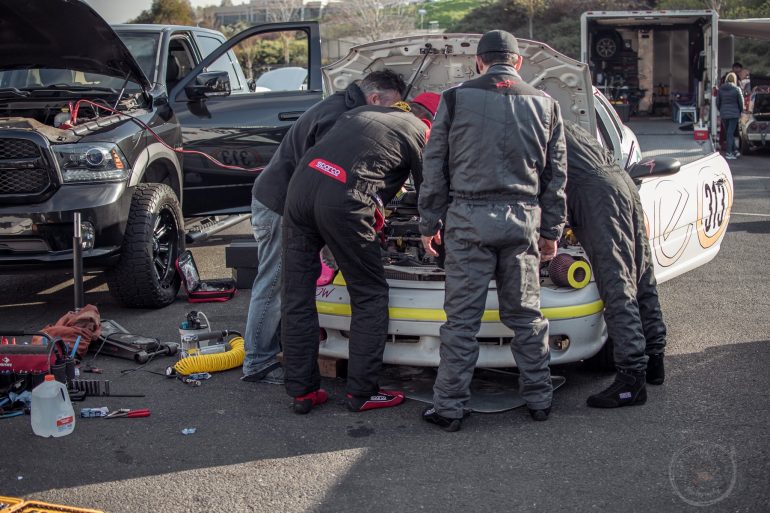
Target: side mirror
point(656, 166)
point(208, 83)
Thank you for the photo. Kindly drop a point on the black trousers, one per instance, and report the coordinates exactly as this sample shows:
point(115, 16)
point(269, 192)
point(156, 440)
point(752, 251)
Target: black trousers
point(320, 211)
point(608, 219)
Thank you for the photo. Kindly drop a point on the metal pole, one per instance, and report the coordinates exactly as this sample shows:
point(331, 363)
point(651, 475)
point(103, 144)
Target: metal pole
point(77, 263)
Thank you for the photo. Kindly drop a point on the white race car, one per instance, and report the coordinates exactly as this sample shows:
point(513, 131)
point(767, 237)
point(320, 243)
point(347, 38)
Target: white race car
point(687, 210)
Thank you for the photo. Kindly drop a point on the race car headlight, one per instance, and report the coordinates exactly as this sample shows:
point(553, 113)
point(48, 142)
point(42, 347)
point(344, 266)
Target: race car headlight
point(94, 162)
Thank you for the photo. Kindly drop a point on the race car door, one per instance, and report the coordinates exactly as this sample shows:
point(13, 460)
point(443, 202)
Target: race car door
point(687, 214)
point(236, 106)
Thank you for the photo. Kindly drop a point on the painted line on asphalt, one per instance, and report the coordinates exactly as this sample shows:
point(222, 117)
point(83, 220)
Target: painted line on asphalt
point(748, 214)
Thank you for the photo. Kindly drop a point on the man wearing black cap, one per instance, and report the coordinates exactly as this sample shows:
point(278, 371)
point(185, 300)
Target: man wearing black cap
point(494, 169)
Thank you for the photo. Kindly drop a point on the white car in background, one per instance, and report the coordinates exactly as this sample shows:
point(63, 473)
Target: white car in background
point(687, 210)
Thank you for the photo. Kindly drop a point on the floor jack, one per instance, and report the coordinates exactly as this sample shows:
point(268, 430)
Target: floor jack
point(116, 341)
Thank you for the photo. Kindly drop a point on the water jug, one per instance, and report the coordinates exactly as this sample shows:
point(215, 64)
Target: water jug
point(52, 413)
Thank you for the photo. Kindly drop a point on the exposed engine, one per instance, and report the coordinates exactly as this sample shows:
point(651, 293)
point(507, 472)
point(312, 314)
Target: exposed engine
point(55, 117)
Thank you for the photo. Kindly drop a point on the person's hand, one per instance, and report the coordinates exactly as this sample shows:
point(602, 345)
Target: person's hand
point(547, 249)
point(427, 243)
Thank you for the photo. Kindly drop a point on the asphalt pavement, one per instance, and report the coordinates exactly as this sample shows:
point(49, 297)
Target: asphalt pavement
point(700, 443)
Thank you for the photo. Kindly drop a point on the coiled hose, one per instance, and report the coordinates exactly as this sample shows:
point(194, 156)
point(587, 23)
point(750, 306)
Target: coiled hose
point(213, 362)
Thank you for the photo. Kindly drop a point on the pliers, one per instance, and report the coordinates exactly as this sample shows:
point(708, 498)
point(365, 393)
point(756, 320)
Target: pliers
point(125, 412)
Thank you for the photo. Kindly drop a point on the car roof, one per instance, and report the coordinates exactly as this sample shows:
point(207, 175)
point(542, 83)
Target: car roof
point(149, 27)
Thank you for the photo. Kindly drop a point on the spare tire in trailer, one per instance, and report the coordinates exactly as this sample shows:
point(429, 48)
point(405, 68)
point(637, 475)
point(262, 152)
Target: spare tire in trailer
point(607, 45)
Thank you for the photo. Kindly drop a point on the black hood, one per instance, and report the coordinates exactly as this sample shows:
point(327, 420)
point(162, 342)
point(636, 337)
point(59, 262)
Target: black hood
point(62, 34)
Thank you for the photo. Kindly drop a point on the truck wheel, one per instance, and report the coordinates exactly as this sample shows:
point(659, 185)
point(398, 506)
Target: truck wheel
point(145, 276)
point(604, 360)
point(607, 45)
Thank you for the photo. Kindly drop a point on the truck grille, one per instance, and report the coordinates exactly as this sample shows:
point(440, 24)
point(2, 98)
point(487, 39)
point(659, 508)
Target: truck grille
point(18, 149)
point(26, 181)
point(22, 169)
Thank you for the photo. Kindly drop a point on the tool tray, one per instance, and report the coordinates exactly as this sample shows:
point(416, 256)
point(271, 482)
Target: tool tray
point(202, 291)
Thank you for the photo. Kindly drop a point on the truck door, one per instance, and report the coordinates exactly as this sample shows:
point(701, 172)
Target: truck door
point(236, 106)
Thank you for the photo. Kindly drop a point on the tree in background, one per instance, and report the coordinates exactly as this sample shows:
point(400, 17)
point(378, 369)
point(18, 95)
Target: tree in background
point(281, 11)
point(531, 7)
point(168, 12)
point(373, 19)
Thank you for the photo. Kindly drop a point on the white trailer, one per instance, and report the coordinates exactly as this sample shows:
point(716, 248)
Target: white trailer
point(668, 59)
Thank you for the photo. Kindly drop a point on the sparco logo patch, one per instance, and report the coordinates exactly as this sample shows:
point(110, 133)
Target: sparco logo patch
point(329, 169)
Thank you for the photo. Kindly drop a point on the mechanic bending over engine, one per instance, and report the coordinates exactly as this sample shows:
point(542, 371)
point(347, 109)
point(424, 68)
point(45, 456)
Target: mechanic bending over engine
point(269, 194)
point(335, 198)
point(605, 213)
point(495, 169)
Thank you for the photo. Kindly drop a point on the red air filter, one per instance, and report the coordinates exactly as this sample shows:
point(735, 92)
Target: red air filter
point(567, 271)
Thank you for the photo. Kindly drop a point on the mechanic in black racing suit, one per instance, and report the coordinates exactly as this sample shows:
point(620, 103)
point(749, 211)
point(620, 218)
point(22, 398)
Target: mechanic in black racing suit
point(605, 213)
point(335, 194)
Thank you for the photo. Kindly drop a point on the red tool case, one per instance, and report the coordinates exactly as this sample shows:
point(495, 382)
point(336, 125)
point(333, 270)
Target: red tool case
point(200, 291)
point(23, 366)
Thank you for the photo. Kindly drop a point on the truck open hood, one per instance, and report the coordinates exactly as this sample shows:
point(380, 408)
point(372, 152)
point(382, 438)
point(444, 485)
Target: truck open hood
point(62, 34)
point(449, 59)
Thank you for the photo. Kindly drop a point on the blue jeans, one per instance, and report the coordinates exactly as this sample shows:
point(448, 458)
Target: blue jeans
point(730, 126)
point(263, 337)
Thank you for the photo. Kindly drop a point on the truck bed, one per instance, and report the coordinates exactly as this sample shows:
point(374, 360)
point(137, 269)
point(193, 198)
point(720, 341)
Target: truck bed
point(662, 137)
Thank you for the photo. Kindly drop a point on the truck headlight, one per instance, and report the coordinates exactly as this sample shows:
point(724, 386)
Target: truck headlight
point(91, 162)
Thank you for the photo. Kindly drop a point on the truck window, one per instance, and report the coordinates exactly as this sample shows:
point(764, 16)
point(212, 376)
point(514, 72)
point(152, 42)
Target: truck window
point(144, 47)
point(275, 61)
point(179, 61)
point(226, 63)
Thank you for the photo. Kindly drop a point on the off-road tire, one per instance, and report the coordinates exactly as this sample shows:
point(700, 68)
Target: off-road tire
point(138, 279)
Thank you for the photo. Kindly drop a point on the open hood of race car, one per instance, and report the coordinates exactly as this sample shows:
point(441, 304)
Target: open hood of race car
point(435, 62)
point(62, 34)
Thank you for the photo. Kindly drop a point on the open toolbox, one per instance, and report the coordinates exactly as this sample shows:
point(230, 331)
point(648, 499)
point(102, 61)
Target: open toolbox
point(202, 291)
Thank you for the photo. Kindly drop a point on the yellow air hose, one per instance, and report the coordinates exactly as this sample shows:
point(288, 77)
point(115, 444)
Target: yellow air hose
point(213, 362)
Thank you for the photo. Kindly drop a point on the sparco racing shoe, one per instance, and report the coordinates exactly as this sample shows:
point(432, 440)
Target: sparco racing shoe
point(382, 399)
point(304, 403)
point(628, 389)
point(431, 415)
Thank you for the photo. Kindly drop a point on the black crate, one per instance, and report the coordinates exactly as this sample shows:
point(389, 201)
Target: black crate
point(241, 254)
point(244, 277)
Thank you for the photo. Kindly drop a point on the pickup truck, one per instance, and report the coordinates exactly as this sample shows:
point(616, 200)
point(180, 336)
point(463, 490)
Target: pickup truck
point(93, 120)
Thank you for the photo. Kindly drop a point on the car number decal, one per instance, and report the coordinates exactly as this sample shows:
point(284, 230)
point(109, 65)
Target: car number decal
point(714, 205)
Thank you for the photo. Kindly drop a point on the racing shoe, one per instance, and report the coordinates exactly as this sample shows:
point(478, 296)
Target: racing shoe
point(382, 399)
point(655, 371)
point(628, 389)
point(541, 414)
point(304, 403)
point(430, 414)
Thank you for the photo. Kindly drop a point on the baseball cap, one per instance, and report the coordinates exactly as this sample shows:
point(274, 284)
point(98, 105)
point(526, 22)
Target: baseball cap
point(497, 41)
point(428, 100)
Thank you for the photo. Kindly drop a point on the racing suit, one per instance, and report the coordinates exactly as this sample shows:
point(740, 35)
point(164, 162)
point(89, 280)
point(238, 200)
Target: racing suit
point(262, 336)
point(331, 200)
point(605, 212)
point(495, 168)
